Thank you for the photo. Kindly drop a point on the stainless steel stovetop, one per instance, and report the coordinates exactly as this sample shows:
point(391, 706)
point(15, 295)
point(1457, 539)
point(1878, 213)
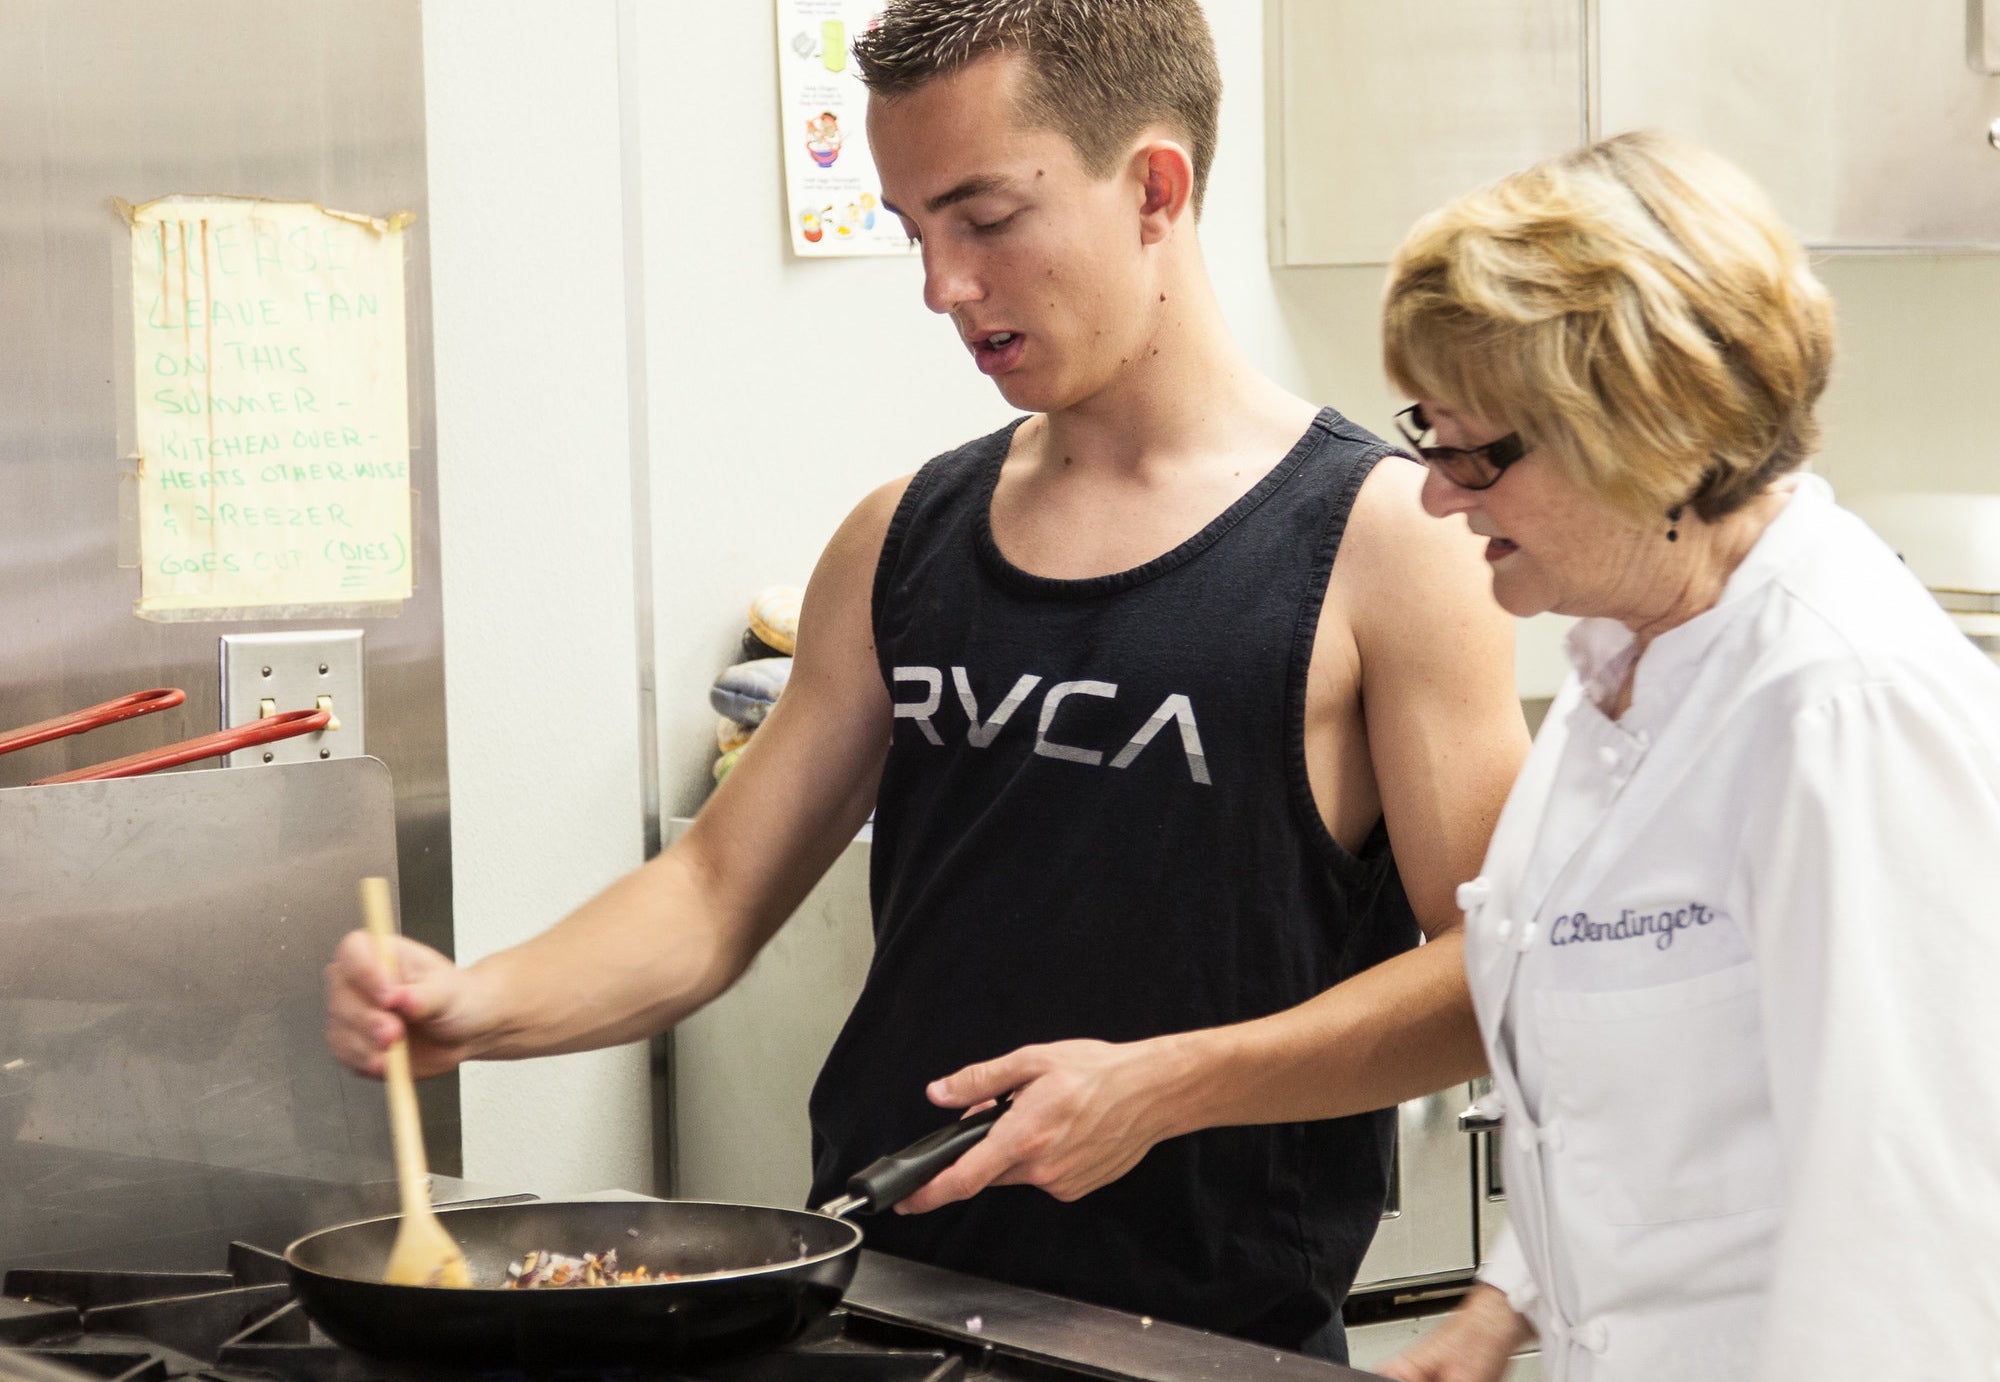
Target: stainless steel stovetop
point(196, 1290)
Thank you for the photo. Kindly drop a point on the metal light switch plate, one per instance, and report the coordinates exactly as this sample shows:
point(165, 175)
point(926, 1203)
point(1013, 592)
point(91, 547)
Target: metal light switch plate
point(269, 673)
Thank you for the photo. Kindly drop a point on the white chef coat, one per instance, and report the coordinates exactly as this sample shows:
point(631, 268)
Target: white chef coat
point(1736, 958)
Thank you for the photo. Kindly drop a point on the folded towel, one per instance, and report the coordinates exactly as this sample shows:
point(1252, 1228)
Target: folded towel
point(746, 692)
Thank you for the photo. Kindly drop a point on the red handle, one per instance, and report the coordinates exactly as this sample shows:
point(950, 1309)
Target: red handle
point(268, 730)
point(78, 721)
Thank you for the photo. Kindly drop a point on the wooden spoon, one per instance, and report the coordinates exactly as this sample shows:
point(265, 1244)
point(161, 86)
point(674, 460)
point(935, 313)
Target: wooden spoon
point(424, 1254)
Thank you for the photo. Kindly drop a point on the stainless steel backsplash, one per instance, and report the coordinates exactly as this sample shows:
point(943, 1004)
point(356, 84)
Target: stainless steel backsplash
point(314, 100)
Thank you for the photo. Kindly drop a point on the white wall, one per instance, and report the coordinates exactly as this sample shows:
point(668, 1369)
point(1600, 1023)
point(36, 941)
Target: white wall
point(782, 390)
point(534, 480)
point(1911, 406)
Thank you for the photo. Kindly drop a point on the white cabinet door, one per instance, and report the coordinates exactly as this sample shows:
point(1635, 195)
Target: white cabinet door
point(1869, 121)
point(1380, 110)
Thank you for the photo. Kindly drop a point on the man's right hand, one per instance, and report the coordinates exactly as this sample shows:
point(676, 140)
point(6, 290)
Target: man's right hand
point(368, 1009)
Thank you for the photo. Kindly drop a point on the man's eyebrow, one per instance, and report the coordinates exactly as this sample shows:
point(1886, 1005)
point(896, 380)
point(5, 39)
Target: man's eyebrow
point(965, 191)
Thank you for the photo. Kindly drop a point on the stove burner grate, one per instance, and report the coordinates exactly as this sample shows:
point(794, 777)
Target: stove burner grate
point(241, 1325)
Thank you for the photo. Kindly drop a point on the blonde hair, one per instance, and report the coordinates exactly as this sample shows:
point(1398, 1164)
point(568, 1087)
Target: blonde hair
point(1634, 308)
point(1099, 71)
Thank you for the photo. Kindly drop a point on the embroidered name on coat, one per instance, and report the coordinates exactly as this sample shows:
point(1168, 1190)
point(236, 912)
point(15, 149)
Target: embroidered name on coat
point(982, 731)
point(1573, 928)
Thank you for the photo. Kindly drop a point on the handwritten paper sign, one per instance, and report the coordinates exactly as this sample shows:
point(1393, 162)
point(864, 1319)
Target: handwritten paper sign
point(272, 409)
point(833, 191)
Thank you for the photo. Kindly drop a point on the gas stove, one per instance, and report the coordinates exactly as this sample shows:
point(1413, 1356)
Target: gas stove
point(902, 1322)
point(240, 1324)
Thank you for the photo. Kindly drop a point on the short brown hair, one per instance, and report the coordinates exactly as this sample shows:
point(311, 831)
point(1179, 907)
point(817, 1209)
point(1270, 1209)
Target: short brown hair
point(1100, 71)
point(1635, 307)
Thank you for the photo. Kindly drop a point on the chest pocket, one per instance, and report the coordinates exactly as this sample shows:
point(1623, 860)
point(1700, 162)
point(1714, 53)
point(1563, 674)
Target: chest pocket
point(1663, 1097)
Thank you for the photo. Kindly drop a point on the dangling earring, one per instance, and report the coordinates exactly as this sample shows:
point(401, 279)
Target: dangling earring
point(1674, 517)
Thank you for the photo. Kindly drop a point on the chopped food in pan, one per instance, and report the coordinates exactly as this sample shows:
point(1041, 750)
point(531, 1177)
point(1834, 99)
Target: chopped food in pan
point(551, 1269)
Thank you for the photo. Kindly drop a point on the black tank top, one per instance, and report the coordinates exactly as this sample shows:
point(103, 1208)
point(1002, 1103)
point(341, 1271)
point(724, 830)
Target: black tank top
point(1095, 822)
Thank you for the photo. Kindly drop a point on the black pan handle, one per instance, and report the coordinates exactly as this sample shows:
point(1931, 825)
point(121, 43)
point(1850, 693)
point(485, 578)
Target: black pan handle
point(887, 1183)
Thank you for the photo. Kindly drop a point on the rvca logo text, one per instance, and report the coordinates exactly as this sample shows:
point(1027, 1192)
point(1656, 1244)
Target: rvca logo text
point(1176, 709)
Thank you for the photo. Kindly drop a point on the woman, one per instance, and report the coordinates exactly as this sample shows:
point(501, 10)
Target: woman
point(1735, 942)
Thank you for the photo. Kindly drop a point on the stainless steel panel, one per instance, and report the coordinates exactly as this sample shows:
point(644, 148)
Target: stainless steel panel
point(1490, 1197)
point(1018, 1323)
point(318, 100)
point(161, 1007)
point(1862, 119)
point(1489, 1194)
point(1379, 112)
point(1428, 1233)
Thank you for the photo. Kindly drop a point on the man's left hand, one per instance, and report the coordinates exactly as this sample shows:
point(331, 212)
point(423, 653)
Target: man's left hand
point(1084, 1113)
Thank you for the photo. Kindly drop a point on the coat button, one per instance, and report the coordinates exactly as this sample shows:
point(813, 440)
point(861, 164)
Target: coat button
point(1608, 756)
point(1472, 894)
point(1591, 1335)
point(1502, 928)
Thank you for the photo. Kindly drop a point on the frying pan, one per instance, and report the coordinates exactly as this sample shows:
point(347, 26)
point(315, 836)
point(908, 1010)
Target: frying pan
point(750, 1276)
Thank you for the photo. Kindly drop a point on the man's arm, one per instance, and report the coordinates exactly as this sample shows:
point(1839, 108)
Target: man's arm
point(1446, 739)
point(672, 935)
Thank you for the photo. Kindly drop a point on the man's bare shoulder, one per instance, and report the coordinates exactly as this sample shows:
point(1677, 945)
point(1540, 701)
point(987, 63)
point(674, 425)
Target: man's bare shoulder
point(857, 544)
point(1388, 533)
point(833, 670)
point(1397, 563)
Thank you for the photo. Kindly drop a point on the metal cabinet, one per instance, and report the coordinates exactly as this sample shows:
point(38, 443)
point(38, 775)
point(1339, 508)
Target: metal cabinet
point(1871, 123)
point(1378, 112)
point(1874, 124)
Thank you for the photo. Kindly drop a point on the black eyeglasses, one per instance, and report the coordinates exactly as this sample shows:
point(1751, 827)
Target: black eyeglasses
point(1468, 467)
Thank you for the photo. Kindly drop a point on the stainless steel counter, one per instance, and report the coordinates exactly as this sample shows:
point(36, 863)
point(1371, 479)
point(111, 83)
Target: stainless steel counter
point(1028, 1324)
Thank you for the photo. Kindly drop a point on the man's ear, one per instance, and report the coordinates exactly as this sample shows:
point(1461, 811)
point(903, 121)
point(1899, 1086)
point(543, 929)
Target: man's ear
point(1165, 177)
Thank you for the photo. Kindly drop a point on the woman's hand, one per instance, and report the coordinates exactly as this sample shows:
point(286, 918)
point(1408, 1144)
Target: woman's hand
point(1472, 1346)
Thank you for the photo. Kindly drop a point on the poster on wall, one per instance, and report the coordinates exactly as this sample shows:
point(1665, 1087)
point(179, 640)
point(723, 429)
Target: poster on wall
point(833, 196)
point(270, 410)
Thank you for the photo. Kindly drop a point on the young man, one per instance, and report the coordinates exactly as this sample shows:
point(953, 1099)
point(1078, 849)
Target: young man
point(1137, 743)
